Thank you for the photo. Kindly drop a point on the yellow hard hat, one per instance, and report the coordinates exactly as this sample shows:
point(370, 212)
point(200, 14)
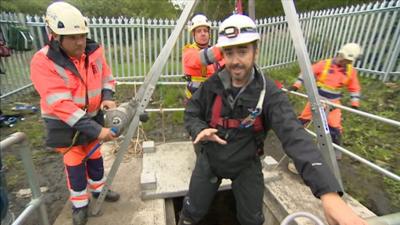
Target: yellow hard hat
point(350, 51)
point(64, 19)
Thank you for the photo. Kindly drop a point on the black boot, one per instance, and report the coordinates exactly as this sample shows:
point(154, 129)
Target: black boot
point(337, 139)
point(111, 196)
point(80, 215)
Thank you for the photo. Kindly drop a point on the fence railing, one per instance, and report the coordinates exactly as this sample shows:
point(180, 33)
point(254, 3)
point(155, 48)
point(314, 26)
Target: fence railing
point(37, 202)
point(132, 44)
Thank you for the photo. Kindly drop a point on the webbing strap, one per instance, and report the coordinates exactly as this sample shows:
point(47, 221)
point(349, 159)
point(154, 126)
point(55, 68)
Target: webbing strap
point(217, 120)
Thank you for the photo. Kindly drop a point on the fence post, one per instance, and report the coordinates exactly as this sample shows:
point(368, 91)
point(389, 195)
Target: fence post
point(37, 198)
point(392, 61)
point(33, 180)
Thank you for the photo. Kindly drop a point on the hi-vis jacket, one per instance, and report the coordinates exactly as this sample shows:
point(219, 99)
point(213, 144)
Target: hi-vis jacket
point(331, 78)
point(71, 92)
point(199, 64)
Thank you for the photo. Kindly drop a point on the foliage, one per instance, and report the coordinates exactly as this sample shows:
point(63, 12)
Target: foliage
point(137, 8)
point(216, 10)
point(22, 6)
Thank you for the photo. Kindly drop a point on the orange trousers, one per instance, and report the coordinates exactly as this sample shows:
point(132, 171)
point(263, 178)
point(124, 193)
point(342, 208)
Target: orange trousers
point(334, 116)
point(81, 176)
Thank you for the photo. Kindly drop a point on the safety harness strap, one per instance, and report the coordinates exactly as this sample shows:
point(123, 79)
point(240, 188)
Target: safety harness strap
point(217, 120)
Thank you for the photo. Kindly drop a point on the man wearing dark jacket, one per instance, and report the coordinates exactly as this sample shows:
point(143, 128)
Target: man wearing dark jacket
point(229, 116)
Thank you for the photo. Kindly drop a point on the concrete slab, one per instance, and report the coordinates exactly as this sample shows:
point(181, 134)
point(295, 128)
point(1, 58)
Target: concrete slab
point(130, 209)
point(269, 163)
point(286, 193)
point(172, 164)
point(148, 180)
point(148, 146)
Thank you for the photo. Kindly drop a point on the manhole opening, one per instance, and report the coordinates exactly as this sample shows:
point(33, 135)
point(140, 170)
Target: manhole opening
point(221, 212)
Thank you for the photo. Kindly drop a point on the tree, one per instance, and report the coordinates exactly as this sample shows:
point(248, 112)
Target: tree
point(218, 10)
point(114, 8)
point(22, 6)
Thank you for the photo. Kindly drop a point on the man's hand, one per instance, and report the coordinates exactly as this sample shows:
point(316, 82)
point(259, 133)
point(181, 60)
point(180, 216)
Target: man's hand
point(108, 104)
point(337, 212)
point(209, 134)
point(106, 135)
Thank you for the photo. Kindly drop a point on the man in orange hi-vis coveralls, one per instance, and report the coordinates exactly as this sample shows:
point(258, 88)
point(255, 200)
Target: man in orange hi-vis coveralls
point(199, 59)
point(332, 75)
point(74, 83)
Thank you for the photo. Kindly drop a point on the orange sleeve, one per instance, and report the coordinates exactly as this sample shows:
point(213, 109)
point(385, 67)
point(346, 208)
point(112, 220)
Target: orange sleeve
point(354, 88)
point(56, 97)
point(191, 62)
point(318, 68)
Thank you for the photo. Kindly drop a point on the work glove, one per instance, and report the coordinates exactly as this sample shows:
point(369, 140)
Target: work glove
point(292, 88)
point(354, 107)
point(144, 117)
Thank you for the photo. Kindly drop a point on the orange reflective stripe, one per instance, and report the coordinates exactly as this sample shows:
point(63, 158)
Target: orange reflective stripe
point(96, 186)
point(82, 197)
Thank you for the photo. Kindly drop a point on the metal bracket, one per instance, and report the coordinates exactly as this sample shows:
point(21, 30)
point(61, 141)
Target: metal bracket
point(143, 97)
point(320, 123)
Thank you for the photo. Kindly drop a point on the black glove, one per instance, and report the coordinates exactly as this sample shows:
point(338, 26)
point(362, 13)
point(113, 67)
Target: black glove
point(354, 107)
point(293, 88)
point(144, 117)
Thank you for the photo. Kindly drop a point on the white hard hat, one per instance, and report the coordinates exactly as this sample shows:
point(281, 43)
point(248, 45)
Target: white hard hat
point(350, 51)
point(237, 29)
point(198, 21)
point(65, 19)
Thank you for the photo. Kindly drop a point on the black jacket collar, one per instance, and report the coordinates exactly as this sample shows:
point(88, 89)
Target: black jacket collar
point(223, 82)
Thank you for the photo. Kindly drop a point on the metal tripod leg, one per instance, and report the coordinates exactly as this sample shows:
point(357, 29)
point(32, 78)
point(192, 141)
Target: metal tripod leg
point(319, 117)
point(143, 97)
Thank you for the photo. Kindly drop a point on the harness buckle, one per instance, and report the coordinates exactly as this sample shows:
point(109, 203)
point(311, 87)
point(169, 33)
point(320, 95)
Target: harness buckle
point(250, 119)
